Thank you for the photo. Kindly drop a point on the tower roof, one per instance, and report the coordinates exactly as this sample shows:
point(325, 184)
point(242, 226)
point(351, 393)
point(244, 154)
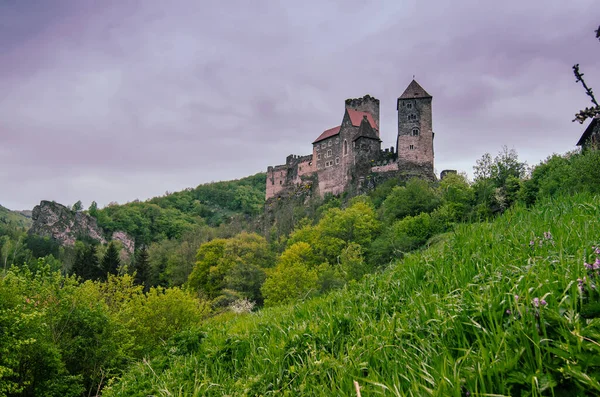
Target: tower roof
point(356, 117)
point(414, 90)
point(366, 130)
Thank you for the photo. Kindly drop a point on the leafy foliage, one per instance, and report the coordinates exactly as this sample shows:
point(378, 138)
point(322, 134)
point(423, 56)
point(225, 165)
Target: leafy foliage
point(495, 309)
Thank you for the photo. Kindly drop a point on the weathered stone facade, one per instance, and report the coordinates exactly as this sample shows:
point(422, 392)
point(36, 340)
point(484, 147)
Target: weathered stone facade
point(350, 155)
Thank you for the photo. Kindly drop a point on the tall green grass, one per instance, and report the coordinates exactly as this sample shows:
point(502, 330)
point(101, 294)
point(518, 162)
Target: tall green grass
point(459, 318)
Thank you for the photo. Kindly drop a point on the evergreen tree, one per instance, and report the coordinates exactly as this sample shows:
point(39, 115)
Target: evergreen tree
point(142, 268)
point(86, 263)
point(111, 262)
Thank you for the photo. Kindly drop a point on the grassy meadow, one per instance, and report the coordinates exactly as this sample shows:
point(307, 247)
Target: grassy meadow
point(499, 308)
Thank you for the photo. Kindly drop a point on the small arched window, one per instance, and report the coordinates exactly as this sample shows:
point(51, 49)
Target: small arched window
point(345, 147)
point(412, 117)
point(409, 105)
point(415, 132)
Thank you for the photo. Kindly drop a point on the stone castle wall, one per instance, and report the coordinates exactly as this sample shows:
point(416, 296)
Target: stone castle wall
point(344, 161)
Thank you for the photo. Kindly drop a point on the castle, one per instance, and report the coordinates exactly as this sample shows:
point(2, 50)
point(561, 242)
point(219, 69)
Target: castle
point(349, 156)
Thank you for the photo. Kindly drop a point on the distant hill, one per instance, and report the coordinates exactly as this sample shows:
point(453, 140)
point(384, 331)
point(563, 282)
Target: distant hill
point(171, 215)
point(20, 218)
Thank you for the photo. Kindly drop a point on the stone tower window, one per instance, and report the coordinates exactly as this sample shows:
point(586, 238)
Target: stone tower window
point(345, 147)
point(409, 105)
point(329, 143)
point(318, 156)
point(415, 132)
point(412, 117)
point(411, 147)
point(329, 153)
point(337, 160)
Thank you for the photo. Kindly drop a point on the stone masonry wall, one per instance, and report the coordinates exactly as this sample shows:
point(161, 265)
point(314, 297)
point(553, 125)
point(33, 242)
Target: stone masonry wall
point(365, 104)
point(417, 148)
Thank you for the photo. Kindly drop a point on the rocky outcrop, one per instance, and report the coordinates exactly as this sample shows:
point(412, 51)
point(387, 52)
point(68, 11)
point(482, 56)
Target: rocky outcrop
point(54, 220)
point(125, 240)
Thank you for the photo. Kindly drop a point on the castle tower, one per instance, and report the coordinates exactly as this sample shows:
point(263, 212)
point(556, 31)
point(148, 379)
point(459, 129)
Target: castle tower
point(415, 134)
point(365, 104)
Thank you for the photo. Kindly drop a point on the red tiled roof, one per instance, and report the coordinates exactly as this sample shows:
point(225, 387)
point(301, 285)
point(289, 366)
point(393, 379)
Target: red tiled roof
point(357, 116)
point(328, 133)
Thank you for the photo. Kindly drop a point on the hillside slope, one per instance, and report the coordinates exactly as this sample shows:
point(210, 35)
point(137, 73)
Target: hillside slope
point(172, 215)
point(18, 218)
point(502, 308)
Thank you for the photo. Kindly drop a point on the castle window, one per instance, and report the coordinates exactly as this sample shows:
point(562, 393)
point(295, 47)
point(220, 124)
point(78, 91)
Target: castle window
point(409, 105)
point(281, 182)
point(415, 132)
point(323, 145)
point(411, 147)
point(345, 147)
point(412, 117)
point(337, 140)
point(337, 160)
point(329, 153)
point(329, 143)
point(318, 156)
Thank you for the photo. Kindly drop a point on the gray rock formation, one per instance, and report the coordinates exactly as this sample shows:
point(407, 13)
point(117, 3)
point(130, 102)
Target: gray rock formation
point(54, 220)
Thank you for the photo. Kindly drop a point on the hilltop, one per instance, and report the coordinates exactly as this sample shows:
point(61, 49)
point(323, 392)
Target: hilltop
point(19, 218)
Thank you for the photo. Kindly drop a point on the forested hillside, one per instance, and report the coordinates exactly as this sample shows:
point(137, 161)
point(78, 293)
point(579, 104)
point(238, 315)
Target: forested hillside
point(501, 301)
point(174, 214)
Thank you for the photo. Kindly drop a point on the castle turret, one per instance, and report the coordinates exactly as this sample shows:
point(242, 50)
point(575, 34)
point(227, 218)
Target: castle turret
point(365, 104)
point(415, 134)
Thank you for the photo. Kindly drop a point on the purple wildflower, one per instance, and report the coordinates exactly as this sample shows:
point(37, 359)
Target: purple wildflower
point(531, 243)
point(543, 302)
point(596, 264)
point(508, 311)
point(587, 266)
point(516, 297)
point(548, 235)
point(536, 302)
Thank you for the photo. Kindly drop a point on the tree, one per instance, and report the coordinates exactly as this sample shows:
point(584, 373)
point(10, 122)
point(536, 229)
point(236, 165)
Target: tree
point(293, 278)
point(416, 197)
point(592, 111)
point(110, 262)
point(142, 268)
point(77, 206)
point(86, 263)
point(93, 210)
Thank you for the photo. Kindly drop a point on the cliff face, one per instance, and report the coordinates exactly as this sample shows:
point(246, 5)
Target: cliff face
point(54, 220)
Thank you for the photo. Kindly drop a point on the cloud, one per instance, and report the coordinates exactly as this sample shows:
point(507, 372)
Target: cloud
point(118, 100)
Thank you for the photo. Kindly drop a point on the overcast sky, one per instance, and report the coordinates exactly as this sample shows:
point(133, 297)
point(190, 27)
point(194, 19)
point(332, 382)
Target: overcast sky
point(116, 100)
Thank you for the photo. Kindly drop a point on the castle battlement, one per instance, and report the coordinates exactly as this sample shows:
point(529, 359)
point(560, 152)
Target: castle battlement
point(347, 155)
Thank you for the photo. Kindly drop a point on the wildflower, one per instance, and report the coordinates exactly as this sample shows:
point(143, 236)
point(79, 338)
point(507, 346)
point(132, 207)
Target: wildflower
point(596, 264)
point(587, 266)
point(543, 302)
point(508, 311)
point(548, 235)
point(536, 302)
point(516, 297)
point(531, 243)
